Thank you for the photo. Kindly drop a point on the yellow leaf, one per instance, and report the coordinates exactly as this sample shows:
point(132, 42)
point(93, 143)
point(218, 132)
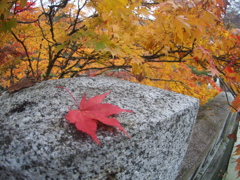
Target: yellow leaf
point(136, 69)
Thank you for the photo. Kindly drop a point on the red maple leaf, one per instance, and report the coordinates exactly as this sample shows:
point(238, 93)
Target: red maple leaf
point(229, 69)
point(91, 111)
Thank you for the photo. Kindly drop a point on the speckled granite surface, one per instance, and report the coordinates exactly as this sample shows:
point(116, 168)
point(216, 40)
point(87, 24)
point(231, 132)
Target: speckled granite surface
point(37, 142)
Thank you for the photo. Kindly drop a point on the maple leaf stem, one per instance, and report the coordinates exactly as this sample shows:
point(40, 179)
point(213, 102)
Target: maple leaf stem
point(69, 93)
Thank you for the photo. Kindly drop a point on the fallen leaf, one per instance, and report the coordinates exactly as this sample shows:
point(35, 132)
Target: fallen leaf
point(237, 168)
point(237, 151)
point(233, 136)
point(91, 111)
point(23, 83)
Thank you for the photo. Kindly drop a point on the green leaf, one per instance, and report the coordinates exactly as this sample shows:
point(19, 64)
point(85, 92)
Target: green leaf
point(59, 47)
point(7, 25)
point(99, 46)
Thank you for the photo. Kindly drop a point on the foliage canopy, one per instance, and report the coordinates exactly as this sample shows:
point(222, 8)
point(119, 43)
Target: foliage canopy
point(173, 44)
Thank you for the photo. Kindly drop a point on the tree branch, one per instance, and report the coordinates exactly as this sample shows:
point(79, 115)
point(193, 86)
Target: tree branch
point(26, 51)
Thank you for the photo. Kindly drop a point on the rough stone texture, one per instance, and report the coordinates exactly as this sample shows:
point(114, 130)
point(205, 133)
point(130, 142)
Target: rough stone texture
point(209, 139)
point(37, 142)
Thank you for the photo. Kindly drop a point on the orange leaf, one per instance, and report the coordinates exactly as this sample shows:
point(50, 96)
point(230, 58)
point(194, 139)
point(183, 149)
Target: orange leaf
point(181, 54)
point(236, 103)
point(237, 151)
point(237, 168)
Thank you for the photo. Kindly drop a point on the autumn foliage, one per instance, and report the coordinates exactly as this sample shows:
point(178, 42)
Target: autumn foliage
point(160, 43)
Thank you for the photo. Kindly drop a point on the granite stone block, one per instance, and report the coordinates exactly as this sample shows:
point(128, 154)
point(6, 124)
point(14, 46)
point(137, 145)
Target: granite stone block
point(37, 142)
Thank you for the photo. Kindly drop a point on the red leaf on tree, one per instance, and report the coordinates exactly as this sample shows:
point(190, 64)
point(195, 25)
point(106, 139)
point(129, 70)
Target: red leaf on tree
point(229, 69)
point(196, 58)
point(91, 111)
point(20, 7)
